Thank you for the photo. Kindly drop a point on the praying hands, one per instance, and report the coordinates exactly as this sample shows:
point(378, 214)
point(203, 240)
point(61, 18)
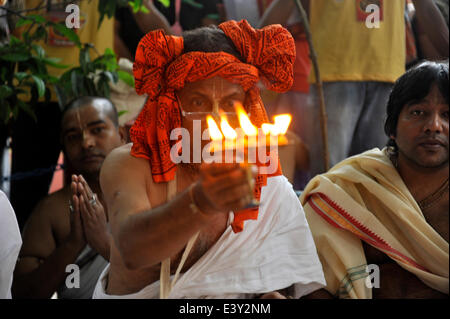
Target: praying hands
point(90, 210)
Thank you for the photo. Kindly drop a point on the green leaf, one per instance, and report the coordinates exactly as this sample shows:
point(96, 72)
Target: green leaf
point(213, 16)
point(39, 50)
point(40, 33)
point(136, 5)
point(112, 9)
point(15, 57)
point(194, 4)
point(90, 87)
point(120, 113)
point(69, 33)
point(53, 79)
point(106, 7)
point(61, 96)
point(23, 21)
point(106, 90)
point(40, 85)
point(84, 58)
point(13, 40)
point(54, 63)
point(144, 9)
point(165, 3)
point(5, 91)
point(25, 107)
point(110, 52)
point(74, 79)
point(37, 18)
point(21, 75)
point(110, 76)
point(126, 77)
point(3, 74)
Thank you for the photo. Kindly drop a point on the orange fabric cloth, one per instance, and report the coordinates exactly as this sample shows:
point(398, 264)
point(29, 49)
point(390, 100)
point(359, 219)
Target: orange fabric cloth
point(161, 68)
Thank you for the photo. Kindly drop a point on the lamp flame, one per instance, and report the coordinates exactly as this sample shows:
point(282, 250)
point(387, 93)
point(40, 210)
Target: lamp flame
point(214, 131)
point(269, 129)
point(282, 123)
point(246, 125)
point(227, 130)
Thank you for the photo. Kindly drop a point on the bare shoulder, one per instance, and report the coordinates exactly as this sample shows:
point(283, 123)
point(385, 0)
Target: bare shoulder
point(45, 225)
point(125, 181)
point(120, 163)
point(122, 172)
point(49, 208)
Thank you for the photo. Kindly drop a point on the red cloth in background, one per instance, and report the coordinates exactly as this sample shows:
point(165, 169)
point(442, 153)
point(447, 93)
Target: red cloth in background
point(302, 65)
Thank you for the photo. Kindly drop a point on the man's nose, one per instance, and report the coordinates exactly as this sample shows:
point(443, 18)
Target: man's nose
point(88, 140)
point(216, 110)
point(434, 123)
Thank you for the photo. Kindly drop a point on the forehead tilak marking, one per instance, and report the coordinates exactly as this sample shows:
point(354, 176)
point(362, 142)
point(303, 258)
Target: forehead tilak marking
point(82, 128)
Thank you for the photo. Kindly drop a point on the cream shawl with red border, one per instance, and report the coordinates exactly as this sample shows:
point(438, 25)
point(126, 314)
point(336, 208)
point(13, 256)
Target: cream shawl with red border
point(364, 198)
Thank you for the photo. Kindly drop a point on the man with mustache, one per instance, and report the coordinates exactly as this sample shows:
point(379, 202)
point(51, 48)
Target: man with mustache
point(188, 230)
point(70, 225)
point(389, 208)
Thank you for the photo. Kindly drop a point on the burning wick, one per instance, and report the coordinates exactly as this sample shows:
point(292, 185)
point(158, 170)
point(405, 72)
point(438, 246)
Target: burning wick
point(276, 130)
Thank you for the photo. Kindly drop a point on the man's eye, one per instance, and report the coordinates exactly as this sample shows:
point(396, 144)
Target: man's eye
point(445, 115)
point(229, 105)
point(97, 130)
point(73, 137)
point(197, 102)
point(416, 112)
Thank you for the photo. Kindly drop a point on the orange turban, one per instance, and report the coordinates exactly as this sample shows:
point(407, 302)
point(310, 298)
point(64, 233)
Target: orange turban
point(161, 68)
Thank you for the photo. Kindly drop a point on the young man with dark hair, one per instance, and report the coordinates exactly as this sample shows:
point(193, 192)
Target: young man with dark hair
point(188, 218)
point(386, 212)
point(70, 225)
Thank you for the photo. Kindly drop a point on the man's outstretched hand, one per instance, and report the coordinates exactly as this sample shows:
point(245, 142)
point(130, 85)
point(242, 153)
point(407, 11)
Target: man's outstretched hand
point(224, 187)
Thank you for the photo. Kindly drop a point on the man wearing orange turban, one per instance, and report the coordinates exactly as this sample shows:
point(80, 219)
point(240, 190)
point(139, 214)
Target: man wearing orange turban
point(178, 229)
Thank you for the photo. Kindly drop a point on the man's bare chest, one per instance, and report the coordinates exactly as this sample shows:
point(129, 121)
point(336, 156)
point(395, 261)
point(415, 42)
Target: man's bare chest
point(205, 241)
point(437, 216)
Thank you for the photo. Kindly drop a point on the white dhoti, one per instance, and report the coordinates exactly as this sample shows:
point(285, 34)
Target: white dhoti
point(10, 243)
point(271, 253)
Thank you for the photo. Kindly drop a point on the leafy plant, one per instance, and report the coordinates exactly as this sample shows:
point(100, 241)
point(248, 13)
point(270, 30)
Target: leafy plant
point(108, 7)
point(92, 77)
point(24, 77)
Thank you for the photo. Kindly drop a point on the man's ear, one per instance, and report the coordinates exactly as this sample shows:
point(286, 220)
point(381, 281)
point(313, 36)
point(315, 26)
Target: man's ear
point(123, 132)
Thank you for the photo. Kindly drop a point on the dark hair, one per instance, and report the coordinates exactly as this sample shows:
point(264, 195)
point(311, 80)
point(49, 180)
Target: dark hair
point(209, 39)
point(414, 86)
point(85, 100)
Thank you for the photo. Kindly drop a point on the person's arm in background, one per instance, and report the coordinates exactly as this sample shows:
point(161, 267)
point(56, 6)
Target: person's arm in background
point(153, 20)
point(279, 12)
point(432, 30)
point(120, 48)
point(41, 268)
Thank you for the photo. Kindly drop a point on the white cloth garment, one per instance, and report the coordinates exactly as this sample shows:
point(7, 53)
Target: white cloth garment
point(91, 265)
point(271, 253)
point(10, 243)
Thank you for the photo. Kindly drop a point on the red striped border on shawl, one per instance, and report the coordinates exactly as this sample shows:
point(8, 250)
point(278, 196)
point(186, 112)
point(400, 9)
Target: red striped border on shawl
point(339, 218)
